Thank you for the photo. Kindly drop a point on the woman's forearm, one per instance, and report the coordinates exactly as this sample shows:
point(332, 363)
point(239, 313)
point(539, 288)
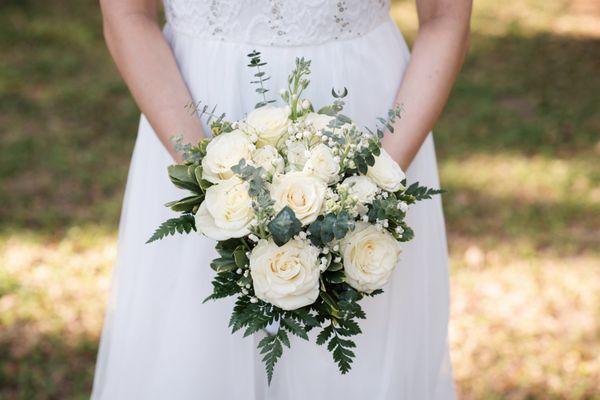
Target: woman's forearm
point(148, 66)
point(437, 56)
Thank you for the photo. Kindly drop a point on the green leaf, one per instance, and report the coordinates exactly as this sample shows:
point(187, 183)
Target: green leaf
point(324, 335)
point(183, 177)
point(283, 336)
point(327, 226)
point(284, 226)
point(294, 327)
point(335, 267)
point(335, 277)
point(272, 349)
point(304, 315)
point(186, 204)
point(239, 255)
point(328, 300)
point(223, 264)
point(184, 223)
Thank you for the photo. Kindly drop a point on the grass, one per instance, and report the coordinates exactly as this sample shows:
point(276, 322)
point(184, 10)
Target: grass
point(518, 147)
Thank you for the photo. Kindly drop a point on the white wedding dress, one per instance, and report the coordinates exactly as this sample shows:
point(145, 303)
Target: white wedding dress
point(159, 340)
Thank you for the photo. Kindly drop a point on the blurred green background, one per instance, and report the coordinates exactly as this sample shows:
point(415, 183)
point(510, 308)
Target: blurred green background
point(519, 152)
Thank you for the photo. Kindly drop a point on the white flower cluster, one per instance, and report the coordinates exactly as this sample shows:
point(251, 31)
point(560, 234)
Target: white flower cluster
point(309, 167)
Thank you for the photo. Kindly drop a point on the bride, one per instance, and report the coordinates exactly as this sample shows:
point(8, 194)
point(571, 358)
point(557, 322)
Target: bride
point(159, 340)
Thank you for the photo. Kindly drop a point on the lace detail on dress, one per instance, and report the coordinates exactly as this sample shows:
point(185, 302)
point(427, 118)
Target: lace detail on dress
point(276, 22)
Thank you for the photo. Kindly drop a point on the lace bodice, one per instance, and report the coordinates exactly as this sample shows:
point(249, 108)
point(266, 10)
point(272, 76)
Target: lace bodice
point(275, 22)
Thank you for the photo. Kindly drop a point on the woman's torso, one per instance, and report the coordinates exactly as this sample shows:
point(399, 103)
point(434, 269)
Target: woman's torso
point(276, 22)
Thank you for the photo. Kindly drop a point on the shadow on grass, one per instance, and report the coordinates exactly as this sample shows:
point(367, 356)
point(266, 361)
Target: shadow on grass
point(45, 367)
point(524, 95)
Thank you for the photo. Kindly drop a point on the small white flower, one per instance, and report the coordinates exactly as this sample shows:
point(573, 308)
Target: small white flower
point(253, 300)
point(321, 163)
point(399, 230)
point(238, 271)
point(337, 259)
point(325, 250)
point(402, 206)
point(336, 247)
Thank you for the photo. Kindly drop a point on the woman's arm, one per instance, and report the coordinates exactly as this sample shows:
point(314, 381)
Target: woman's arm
point(148, 66)
point(437, 56)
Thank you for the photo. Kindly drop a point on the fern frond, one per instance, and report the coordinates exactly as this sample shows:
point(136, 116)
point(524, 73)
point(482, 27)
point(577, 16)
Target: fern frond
point(182, 224)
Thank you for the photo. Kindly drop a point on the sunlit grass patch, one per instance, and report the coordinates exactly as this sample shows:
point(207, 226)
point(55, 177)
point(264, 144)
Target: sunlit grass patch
point(52, 297)
point(526, 329)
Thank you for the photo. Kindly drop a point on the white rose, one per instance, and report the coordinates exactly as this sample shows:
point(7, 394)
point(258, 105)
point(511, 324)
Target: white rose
point(297, 155)
point(223, 152)
point(270, 123)
point(319, 121)
point(386, 173)
point(322, 163)
point(362, 187)
point(286, 276)
point(369, 257)
point(268, 158)
point(226, 211)
point(303, 193)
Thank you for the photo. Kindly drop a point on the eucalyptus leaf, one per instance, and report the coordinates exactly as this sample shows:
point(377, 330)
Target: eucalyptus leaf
point(284, 226)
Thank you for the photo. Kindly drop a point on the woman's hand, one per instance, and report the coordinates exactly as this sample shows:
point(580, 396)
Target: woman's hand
point(148, 66)
point(437, 55)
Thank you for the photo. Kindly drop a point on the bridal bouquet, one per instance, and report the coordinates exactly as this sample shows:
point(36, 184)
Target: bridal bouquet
point(308, 212)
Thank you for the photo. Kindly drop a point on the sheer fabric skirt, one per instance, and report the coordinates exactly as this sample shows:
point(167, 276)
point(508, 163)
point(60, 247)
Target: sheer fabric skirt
point(161, 342)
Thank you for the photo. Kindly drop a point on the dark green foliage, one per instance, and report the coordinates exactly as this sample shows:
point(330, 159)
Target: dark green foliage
point(184, 177)
point(341, 353)
point(294, 327)
point(272, 349)
point(232, 257)
point(324, 335)
point(419, 193)
point(251, 316)
point(187, 204)
point(284, 226)
point(184, 223)
point(329, 227)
